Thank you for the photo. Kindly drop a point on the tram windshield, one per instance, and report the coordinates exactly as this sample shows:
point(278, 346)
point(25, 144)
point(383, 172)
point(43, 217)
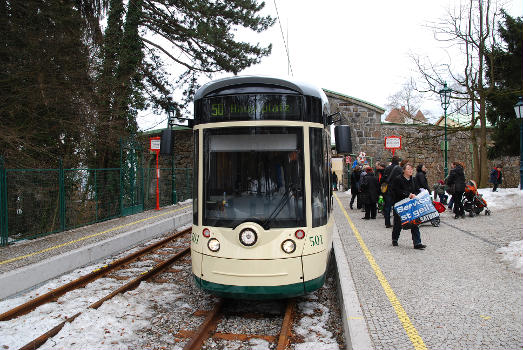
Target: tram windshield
point(254, 174)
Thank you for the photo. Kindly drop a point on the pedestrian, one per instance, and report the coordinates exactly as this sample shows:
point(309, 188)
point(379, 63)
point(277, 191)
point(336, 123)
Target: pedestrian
point(439, 191)
point(391, 172)
point(379, 172)
point(334, 181)
point(355, 185)
point(369, 192)
point(456, 185)
point(405, 186)
point(496, 177)
point(421, 177)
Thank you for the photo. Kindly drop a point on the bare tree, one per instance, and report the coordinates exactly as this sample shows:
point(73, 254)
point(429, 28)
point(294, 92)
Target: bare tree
point(470, 27)
point(408, 97)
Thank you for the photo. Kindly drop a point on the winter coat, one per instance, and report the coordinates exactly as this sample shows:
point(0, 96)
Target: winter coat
point(390, 173)
point(496, 177)
point(402, 187)
point(421, 179)
point(369, 189)
point(456, 180)
point(355, 182)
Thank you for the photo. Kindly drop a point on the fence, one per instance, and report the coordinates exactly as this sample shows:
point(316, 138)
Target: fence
point(38, 202)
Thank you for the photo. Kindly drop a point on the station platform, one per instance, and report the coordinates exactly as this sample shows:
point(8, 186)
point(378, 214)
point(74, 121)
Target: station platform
point(29, 263)
point(455, 294)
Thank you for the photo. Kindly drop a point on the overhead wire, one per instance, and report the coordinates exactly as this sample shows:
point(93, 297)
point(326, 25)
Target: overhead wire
point(284, 41)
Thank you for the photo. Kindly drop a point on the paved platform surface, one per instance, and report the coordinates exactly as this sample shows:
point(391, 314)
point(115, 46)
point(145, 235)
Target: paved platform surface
point(456, 294)
point(34, 261)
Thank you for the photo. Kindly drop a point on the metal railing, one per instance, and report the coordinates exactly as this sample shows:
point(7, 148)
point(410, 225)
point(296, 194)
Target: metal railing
point(38, 202)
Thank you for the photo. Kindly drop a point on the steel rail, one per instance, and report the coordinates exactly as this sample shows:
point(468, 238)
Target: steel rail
point(286, 326)
point(36, 343)
point(205, 329)
point(84, 280)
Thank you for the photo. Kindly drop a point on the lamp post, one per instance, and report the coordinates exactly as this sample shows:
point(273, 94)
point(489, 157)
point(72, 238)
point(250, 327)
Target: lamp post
point(518, 108)
point(171, 113)
point(444, 95)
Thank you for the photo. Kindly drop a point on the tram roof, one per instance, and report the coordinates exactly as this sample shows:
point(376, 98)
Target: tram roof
point(300, 87)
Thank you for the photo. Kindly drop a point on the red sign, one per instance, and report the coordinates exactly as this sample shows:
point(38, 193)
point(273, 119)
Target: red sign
point(154, 143)
point(393, 143)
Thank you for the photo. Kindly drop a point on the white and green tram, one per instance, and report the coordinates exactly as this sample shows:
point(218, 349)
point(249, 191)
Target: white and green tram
point(262, 199)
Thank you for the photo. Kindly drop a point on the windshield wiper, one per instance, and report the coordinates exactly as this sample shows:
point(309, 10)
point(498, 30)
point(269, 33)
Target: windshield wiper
point(291, 191)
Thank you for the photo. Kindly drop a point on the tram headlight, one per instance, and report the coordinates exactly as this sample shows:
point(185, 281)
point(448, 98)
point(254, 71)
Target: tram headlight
point(213, 244)
point(288, 246)
point(248, 237)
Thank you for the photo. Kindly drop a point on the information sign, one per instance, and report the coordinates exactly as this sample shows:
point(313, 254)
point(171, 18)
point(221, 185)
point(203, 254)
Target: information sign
point(393, 143)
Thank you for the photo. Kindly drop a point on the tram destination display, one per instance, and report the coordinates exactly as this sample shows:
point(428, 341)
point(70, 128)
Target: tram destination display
point(240, 107)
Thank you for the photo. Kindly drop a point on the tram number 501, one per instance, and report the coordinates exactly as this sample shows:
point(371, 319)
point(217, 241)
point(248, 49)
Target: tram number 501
point(316, 240)
point(194, 238)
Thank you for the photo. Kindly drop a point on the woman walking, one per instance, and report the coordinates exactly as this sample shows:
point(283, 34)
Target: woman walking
point(369, 192)
point(456, 185)
point(355, 185)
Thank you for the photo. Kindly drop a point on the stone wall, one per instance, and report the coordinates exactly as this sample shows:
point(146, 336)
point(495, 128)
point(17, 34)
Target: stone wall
point(422, 144)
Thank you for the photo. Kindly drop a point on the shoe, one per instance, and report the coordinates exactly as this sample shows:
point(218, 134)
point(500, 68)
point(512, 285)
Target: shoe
point(351, 208)
point(388, 225)
point(373, 218)
point(365, 218)
point(463, 216)
point(456, 216)
point(394, 243)
point(420, 246)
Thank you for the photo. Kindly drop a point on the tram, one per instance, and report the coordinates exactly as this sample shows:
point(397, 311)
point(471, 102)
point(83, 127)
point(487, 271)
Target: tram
point(262, 198)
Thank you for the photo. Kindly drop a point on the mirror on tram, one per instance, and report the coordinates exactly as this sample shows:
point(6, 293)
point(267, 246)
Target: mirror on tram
point(343, 139)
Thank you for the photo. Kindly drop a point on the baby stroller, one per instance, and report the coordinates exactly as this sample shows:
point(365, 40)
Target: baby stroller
point(473, 202)
point(440, 208)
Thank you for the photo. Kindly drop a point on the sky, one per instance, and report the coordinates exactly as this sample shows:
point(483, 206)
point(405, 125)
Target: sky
point(357, 48)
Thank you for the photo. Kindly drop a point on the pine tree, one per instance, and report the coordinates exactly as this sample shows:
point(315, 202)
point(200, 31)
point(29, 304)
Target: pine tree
point(507, 68)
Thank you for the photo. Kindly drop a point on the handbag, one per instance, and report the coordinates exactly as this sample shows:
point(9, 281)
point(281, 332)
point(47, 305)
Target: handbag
point(383, 187)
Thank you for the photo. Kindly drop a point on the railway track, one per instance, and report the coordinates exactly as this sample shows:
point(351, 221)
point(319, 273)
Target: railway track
point(168, 247)
point(218, 315)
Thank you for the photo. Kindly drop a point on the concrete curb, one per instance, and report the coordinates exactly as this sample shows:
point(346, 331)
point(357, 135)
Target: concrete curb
point(357, 335)
point(29, 276)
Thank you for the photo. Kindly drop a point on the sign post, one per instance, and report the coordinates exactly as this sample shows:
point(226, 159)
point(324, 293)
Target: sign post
point(393, 143)
point(155, 143)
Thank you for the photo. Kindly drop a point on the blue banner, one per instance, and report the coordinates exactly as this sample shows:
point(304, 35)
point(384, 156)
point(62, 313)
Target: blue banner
point(416, 210)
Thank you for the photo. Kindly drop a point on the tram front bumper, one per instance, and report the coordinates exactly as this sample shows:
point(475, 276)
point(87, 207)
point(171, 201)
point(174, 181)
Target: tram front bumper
point(253, 279)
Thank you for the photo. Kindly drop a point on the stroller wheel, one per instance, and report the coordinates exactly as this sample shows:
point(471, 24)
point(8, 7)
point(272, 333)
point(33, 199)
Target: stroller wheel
point(435, 222)
point(472, 214)
point(487, 212)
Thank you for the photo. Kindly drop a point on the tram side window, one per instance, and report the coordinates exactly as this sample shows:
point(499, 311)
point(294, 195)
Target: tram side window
point(327, 170)
point(319, 178)
point(195, 178)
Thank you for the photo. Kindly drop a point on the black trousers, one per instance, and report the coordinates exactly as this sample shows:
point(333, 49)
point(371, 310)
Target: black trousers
point(458, 203)
point(370, 210)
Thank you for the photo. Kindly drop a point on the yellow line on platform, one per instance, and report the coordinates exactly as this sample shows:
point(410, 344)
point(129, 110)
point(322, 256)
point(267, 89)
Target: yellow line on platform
point(411, 331)
point(90, 236)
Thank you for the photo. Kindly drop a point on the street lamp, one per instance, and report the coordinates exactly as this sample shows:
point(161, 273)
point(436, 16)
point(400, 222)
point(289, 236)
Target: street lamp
point(444, 94)
point(518, 108)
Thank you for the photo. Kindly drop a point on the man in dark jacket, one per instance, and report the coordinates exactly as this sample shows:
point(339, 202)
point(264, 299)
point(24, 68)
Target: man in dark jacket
point(391, 171)
point(404, 186)
point(421, 177)
point(369, 192)
point(456, 185)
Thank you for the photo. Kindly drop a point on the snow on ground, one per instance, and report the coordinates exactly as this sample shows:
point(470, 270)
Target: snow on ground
point(503, 198)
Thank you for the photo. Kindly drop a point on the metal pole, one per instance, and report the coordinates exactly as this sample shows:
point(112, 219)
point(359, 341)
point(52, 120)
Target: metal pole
point(61, 194)
point(157, 183)
point(445, 169)
point(3, 204)
point(521, 153)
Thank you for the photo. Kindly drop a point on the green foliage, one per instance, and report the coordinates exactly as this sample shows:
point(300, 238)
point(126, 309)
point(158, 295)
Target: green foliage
point(508, 86)
point(44, 82)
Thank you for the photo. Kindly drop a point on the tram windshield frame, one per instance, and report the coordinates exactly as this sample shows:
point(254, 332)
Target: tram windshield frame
point(254, 174)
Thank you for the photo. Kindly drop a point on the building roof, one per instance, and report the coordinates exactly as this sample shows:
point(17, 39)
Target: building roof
point(355, 100)
point(402, 116)
point(458, 121)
